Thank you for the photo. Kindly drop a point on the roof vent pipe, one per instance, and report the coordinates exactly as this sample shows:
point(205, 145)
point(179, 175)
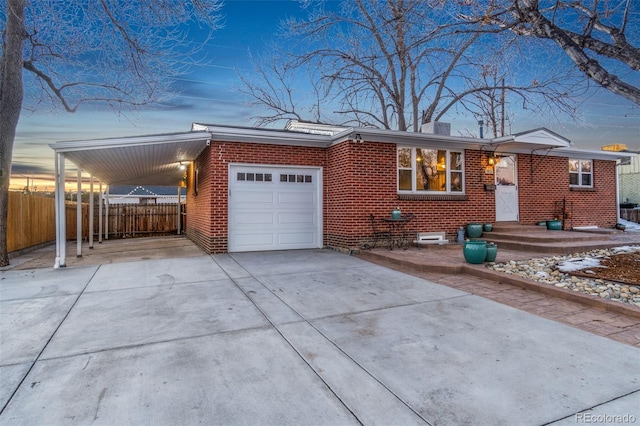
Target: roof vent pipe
point(481, 123)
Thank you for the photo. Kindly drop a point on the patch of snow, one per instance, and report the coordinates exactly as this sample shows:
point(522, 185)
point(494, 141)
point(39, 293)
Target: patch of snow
point(630, 226)
point(625, 249)
point(579, 264)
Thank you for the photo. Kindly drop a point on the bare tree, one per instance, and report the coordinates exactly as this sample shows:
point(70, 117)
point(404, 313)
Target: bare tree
point(602, 38)
point(120, 52)
point(394, 64)
point(272, 85)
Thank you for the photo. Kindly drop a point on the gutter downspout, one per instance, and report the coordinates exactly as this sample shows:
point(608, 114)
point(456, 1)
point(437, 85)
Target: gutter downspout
point(618, 164)
point(106, 214)
point(179, 210)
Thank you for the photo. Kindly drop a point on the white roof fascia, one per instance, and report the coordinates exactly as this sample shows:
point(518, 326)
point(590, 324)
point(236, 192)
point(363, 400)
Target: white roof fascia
point(416, 139)
point(93, 144)
point(584, 154)
point(266, 136)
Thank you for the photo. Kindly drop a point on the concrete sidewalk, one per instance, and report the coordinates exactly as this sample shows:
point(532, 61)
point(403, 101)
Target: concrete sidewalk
point(300, 337)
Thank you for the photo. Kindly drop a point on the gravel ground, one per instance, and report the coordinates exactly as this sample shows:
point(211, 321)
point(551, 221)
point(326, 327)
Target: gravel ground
point(607, 273)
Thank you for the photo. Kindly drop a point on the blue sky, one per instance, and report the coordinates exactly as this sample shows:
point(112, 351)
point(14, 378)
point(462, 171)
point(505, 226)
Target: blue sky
point(209, 94)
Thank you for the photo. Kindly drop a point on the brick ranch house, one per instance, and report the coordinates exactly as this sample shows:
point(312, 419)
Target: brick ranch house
point(313, 186)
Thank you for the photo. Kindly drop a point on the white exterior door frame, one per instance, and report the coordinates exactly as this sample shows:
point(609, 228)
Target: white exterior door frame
point(506, 180)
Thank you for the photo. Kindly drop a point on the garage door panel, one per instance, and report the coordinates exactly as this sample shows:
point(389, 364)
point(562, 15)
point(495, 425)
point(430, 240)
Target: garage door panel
point(296, 197)
point(243, 196)
point(296, 238)
point(296, 218)
point(257, 218)
point(282, 212)
point(255, 240)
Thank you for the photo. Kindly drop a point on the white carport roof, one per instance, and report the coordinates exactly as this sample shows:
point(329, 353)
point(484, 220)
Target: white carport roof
point(147, 160)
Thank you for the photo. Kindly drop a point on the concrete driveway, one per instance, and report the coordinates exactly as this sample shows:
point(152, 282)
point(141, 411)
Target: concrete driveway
point(310, 337)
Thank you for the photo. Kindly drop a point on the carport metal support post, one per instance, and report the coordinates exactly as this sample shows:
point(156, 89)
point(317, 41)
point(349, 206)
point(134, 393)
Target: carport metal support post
point(100, 215)
point(61, 216)
point(179, 210)
point(79, 215)
point(91, 212)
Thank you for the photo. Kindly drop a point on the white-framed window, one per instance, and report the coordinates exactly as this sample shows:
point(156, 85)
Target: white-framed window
point(430, 170)
point(581, 173)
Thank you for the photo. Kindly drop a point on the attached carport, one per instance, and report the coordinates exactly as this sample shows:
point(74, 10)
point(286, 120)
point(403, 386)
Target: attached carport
point(144, 160)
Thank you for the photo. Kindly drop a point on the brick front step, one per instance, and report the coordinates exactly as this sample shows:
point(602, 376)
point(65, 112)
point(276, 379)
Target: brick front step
point(514, 236)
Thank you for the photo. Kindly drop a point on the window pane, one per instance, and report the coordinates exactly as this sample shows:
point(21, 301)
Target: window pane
point(240, 176)
point(586, 179)
point(431, 170)
point(586, 166)
point(404, 158)
point(573, 165)
point(573, 178)
point(455, 161)
point(404, 180)
point(456, 182)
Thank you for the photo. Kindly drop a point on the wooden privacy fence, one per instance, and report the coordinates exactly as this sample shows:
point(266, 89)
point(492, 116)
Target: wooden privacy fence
point(632, 215)
point(133, 220)
point(31, 220)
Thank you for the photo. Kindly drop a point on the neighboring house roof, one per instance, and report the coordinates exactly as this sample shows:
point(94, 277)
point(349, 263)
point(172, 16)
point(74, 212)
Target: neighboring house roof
point(145, 191)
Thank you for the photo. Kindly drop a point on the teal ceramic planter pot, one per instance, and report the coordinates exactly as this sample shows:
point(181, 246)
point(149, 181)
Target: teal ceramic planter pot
point(492, 252)
point(474, 230)
point(554, 225)
point(475, 252)
point(487, 227)
point(396, 214)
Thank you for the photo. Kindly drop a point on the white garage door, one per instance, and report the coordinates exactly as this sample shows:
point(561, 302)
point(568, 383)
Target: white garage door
point(274, 208)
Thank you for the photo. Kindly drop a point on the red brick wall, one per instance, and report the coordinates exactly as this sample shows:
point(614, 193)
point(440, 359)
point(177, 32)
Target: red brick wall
point(362, 181)
point(199, 207)
point(542, 190)
point(207, 223)
point(359, 179)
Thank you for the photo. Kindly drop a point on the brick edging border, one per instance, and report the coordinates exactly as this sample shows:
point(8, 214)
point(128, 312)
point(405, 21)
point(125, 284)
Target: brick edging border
point(549, 290)
point(481, 272)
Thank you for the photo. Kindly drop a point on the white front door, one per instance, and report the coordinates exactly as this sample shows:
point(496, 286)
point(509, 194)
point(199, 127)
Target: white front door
point(274, 208)
point(506, 189)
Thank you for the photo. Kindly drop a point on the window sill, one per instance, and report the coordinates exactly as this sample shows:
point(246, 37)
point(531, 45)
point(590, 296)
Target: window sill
point(582, 189)
point(432, 197)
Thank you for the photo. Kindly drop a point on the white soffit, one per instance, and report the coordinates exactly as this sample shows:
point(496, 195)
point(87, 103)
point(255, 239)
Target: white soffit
point(146, 160)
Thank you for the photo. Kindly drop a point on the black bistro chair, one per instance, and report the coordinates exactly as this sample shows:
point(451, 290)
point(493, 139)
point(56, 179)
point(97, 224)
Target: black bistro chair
point(379, 233)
